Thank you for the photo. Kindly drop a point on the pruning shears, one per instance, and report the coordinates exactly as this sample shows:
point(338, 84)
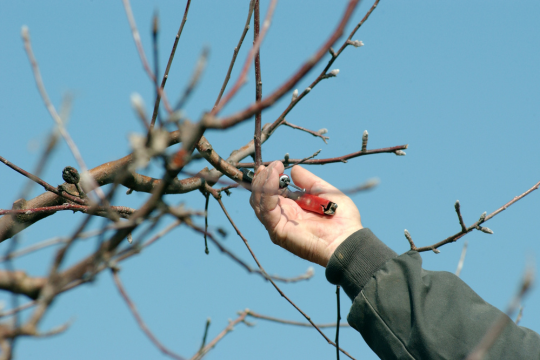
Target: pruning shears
point(306, 201)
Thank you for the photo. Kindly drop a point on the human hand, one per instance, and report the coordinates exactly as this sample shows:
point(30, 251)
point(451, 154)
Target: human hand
point(311, 236)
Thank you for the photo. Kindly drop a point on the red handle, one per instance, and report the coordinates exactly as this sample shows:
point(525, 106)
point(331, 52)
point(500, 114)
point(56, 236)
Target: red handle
point(316, 204)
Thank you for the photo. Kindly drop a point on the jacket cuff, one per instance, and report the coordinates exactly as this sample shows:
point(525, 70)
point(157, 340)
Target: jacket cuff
point(356, 260)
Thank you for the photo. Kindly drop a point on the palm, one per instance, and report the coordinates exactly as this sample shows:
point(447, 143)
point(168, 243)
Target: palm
point(309, 235)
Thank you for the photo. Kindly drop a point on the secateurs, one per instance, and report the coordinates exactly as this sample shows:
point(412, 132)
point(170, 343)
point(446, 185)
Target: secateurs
point(306, 201)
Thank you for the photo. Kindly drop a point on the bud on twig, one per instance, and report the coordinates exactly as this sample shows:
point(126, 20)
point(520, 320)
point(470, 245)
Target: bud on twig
point(294, 95)
point(71, 175)
point(333, 73)
point(482, 218)
point(130, 238)
point(436, 251)
point(355, 43)
point(308, 89)
point(322, 131)
point(364, 140)
point(486, 230)
point(409, 239)
point(400, 153)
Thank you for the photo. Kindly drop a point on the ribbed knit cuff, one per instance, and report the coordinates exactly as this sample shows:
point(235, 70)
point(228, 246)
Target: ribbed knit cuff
point(356, 260)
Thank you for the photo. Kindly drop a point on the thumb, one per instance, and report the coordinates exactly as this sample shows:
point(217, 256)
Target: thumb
point(311, 182)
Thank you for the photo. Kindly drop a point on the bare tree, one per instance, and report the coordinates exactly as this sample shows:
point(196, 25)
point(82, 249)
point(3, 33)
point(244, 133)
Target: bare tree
point(125, 231)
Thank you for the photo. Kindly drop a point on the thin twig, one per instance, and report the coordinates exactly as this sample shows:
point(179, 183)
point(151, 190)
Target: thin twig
point(293, 80)
point(32, 248)
point(18, 309)
point(139, 319)
point(205, 334)
point(323, 74)
point(247, 65)
point(155, 47)
point(461, 259)
point(239, 261)
point(304, 159)
point(235, 53)
point(207, 200)
point(47, 101)
point(201, 353)
point(272, 282)
point(41, 182)
point(258, 87)
point(290, 322)
point(457, 206)
point(314, 133)
point(337, 322)
point(171, 57)
point(52, 111)
point(142, 56)
point(458, 235)
point(343, 158)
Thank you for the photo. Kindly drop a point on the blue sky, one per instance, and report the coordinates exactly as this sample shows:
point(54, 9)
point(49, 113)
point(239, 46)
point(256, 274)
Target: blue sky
point(457, 81)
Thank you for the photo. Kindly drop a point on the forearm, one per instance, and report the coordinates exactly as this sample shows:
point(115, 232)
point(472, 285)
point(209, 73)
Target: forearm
point(403, 311)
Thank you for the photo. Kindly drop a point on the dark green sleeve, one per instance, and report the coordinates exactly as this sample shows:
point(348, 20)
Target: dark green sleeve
point(406, 312)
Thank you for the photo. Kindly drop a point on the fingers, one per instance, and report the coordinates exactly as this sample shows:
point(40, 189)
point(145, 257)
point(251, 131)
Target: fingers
point(264, 197)
point(312, 183)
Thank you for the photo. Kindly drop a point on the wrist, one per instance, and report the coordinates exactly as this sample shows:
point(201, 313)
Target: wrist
point(331, 248)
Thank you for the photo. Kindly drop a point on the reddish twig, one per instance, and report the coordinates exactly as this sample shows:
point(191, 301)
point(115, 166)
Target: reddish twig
point(235, 53)
point(124, 210)
point(139, 319)
point(258, 88)
point(272, 282)
point(343, 158)
point(243, 74)
point(458, 235)
point(314, 133)
point(288, 85)
point(171, 57)
point(41, 182)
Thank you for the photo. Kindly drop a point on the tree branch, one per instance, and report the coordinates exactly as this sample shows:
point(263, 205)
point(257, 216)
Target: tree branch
point(171, 57)
point(476, 225)
point(258, 89)
point(343, 158)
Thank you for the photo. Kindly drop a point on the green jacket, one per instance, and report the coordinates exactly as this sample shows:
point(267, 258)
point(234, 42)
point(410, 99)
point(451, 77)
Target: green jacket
point(406, 312)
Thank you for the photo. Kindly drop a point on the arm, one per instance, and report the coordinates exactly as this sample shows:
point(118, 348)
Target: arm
point(401, 310)
point(406, 312)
